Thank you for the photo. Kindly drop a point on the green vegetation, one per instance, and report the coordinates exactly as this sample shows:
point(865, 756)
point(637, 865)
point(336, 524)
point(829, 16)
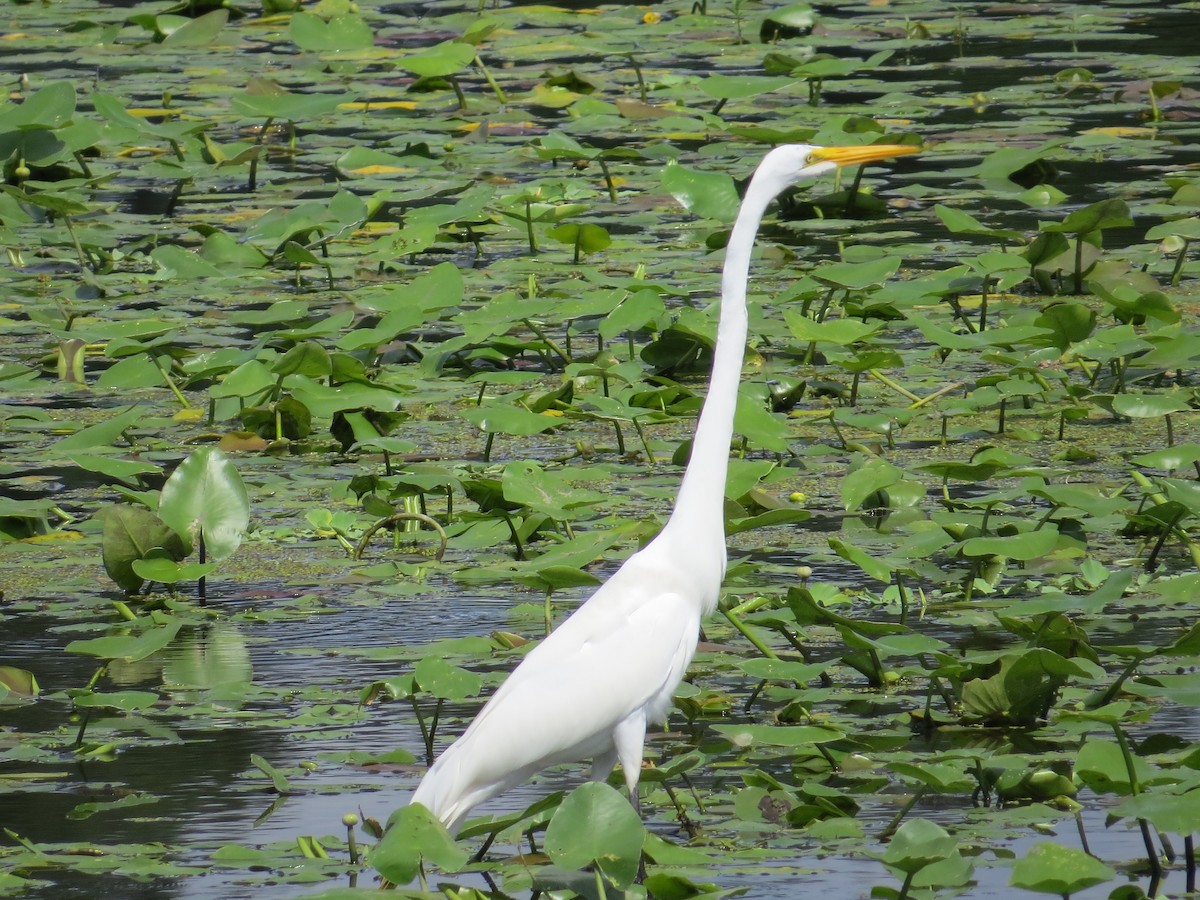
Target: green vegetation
point(321, 327)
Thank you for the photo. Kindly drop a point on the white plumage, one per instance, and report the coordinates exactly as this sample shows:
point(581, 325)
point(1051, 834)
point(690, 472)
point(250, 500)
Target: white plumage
point(590, 689)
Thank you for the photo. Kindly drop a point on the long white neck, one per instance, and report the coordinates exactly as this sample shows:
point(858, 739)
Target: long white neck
point(701, 500)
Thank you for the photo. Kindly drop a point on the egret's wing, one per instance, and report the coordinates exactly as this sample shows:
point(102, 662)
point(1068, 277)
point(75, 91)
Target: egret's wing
point(620, 652)
point(582, 681)
point(587, 685)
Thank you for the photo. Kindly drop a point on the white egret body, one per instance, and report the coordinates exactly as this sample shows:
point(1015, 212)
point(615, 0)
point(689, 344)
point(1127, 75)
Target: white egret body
point(593, 685)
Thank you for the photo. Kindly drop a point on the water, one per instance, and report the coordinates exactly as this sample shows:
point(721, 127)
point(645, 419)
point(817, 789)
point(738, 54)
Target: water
point(208, 792)
point(210, 795)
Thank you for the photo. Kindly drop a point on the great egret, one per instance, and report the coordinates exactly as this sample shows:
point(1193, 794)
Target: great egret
point(590, 688)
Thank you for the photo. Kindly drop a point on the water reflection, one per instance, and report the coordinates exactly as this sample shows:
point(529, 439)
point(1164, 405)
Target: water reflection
point(198, 767)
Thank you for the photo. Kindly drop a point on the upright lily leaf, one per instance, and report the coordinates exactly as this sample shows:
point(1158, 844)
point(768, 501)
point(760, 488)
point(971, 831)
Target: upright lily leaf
point(17, 686)
point(130, 533)
point(595, 825)
point(918, 843)
point(413, 835)
point(441, 679)
point(307, 358)
point(205, 496)
point(197, 32)
point(1112, 213)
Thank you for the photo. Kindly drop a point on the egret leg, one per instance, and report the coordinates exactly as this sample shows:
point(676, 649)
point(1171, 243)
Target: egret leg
point(603, 764)
point(628, 738)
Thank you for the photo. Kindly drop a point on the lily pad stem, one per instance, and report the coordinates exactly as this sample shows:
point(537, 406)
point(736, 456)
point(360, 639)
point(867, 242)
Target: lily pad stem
point(983, 304)
point(542, 336)
point(490, 80)
point(530, 236)
point(1189, 855)
point(87, 173)
point(83, 259)
point(1168, 528)
point(1179, 261)
point(645, 444)
point(97, 675)
point(608, 181)
point(891, 826)
point(837, 430)
point(252, 177)
point(183, 401)
point(426, 736)
point(637, 71)
point(1078, 264)
point(852, 194)
point(401, 517)
point(748, 635)
point(83, 724)
point(945, 389)
point(959, 314)
point(1135, 788)
point(898, 388)
point(685, 821)
point(1145, 484)
point(458, 91)
point(620, 437)
point(1106, 697)
point(487, 844)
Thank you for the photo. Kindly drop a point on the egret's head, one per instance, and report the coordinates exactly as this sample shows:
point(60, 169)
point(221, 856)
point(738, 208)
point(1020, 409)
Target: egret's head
point(794, 163)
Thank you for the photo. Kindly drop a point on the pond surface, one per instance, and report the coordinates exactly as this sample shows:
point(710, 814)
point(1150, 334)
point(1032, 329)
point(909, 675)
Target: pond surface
point(196, 202)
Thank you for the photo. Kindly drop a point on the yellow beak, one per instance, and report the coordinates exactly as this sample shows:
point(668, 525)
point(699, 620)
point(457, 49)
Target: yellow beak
point(865, 153)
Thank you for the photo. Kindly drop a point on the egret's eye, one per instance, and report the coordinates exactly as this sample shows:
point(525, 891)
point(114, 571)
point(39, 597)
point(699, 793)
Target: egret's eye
point(811, 159)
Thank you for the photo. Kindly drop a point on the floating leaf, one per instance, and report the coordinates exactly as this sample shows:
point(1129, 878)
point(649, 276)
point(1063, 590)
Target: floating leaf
point(509, 420)
point(129, 647)
point(778, 735)
point(121, 701)
point(438, 61)
point(102, 434)
point(1023, 546)
point(1054, 869)
point(339, 34)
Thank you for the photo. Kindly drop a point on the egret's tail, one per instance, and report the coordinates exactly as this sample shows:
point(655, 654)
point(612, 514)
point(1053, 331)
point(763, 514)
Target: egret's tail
point(438, 792)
